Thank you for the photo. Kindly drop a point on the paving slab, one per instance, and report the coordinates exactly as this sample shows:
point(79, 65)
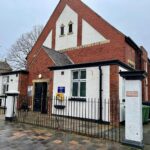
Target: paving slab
point(17, 136)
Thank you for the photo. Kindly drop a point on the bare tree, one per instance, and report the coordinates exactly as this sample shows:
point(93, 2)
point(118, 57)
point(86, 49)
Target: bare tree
point(19, 50)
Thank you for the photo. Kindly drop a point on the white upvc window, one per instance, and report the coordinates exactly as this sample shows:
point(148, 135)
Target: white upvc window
point(5, 84)
point(79, 83)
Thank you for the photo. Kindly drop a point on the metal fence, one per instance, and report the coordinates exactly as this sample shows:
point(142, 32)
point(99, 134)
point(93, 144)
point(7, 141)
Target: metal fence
point(78, 116)
point(2, 110)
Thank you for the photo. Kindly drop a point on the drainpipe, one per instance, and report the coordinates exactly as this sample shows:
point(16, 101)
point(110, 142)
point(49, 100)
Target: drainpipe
point(100, 92)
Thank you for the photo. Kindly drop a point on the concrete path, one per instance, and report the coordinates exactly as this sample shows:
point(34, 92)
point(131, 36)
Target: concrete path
point(14, 136)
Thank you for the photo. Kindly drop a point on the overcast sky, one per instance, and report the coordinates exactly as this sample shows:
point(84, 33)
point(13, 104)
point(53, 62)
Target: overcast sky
point(132, 17)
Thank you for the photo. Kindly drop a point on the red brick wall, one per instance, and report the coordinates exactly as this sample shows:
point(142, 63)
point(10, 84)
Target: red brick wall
point(40, 65)
point(38, 61)
point(144, 61)
point(49, 26)
point(130, 54)
point(96, 53)
point(114, 95)
point(149, 81)
point(116, 37)
point(22, 88)
point(138, 60)
point(116, 49)
point(23, 84)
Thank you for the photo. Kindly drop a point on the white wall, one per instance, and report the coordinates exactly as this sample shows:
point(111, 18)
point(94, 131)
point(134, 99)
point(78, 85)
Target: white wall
point(92, 81)
point(90, 35)
point(48, 41)
point(106, 92)
point(90, 108)
point(1, 85)
point(122, 95)
point(133, 124)
point(68, 40)
point(1, 89)
point(13, 84)
point(87, 109)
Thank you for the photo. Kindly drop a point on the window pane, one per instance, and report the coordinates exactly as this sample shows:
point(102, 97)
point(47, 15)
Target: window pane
point(70, 28)
point(75, 89)
point(4, 89)
point(75, 75)
point(7, 78)
point(7, 87)
point(62, 30)
point(83, 89)
point(83, 74)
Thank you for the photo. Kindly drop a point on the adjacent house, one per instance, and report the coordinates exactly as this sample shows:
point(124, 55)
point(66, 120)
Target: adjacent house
point(4, 67)
point(13, 81)
point(84, 54)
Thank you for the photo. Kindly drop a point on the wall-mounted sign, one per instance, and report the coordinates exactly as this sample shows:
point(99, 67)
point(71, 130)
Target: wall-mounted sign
point(61, 90)
point(60, 96)
point(132, 93)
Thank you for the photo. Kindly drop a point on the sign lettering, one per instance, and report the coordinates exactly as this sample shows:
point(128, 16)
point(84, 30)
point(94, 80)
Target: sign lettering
point(132, 93)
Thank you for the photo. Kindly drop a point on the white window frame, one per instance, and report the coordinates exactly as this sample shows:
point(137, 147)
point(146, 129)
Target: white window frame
point(5, 84)
point(79, 80)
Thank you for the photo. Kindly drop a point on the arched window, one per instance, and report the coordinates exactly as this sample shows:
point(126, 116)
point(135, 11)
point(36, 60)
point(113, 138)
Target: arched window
point(70, 29)
point(62, 30)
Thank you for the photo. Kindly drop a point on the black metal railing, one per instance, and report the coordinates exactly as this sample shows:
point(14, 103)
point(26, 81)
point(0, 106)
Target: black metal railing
point(81, 117)
point(2, 110)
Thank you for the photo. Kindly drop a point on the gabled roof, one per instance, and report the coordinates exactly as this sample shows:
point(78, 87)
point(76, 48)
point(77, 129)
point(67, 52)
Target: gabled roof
point(60, 59)
point(86, 13)
point(4, 67)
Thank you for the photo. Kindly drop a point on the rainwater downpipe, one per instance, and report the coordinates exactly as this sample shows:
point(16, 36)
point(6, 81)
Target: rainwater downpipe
point(100, 92)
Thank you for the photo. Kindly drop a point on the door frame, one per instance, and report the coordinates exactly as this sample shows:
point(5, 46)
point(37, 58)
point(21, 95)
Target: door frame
point(39, 81)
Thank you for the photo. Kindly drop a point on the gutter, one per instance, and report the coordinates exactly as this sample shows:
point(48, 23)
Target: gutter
point(133, 44)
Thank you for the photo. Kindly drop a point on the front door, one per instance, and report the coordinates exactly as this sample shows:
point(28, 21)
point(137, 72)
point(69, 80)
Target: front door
point(40, 96)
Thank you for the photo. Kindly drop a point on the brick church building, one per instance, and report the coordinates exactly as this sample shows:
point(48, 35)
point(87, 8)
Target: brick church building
point(81, 54)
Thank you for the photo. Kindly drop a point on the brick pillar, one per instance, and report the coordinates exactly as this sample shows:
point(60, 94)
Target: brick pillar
point(114, 95)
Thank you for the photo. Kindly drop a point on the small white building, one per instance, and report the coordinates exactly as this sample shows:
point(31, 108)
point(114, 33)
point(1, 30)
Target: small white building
point(11, 81)
point(88, 90)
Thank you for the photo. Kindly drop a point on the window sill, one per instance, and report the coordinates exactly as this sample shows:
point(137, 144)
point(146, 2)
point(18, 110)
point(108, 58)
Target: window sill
point(77, 99)
point(59, 106)
point(61, 35)
point(70, 33)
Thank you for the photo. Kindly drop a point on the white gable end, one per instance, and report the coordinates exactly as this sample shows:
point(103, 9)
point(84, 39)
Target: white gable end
point(90, 35)
point(48, 41)
point(67, 40)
